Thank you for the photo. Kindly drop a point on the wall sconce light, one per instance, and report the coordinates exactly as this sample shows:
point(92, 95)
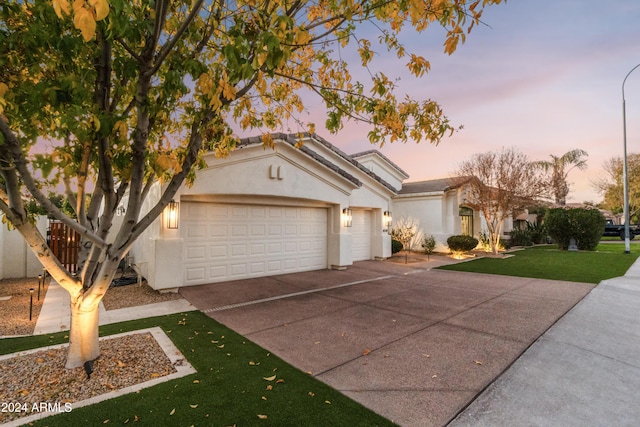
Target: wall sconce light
point(387, 218)
point(347, 217)
point(172, 212)
point(120, 210)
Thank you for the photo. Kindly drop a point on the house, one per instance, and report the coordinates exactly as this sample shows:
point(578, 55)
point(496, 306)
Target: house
point(264, 211)
point(296, 207)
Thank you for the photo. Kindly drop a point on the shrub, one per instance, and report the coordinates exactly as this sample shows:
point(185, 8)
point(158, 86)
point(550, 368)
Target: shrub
point(520, 238)
point(396, 246)
point(538, 232)
point(584, 225)
point(428, 244)
point(462, 243)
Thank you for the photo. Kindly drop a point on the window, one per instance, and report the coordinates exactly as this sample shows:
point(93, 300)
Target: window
point(466, 221)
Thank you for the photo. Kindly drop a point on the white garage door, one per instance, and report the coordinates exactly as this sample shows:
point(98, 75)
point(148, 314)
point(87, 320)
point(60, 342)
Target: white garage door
point(361, 235)
point(227, 242)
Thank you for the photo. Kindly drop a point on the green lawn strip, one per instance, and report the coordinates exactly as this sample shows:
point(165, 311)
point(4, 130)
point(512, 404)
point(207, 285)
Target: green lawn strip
point(547, 262)
point(229, 388)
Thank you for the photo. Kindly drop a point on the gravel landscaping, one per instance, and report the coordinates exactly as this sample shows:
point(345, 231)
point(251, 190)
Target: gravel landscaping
point(41, 377)
point(14, 305)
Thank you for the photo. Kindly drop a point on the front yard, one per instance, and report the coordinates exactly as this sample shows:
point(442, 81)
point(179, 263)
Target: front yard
point(547, 262)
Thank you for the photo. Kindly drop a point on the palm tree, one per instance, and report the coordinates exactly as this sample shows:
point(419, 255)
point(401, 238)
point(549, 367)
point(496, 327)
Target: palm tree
point(560, 168)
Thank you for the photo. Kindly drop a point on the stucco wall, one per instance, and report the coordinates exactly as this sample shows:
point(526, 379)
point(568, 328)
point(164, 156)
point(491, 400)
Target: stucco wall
point(16, 259)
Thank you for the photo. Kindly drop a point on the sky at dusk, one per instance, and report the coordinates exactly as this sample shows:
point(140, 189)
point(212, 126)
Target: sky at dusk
point(544, 76)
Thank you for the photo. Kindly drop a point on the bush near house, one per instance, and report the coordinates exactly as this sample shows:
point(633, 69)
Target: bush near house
point(396, 246)
point(520, 238)
point(428, 244)
point(461, 243)
point(584, 225)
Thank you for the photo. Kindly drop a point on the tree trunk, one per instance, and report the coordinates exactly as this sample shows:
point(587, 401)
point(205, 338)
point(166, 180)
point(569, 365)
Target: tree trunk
point(83, 335)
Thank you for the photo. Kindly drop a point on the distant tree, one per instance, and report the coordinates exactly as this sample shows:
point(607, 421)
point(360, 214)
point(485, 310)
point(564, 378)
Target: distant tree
point(611, 187)
point(559, 168)
point(497, 183)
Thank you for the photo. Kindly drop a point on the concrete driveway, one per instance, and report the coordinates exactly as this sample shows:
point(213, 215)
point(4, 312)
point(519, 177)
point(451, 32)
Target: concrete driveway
point(413, 344)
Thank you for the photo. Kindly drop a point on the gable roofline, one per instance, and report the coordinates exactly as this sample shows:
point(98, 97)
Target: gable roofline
point(383, 157)
point(294, 138)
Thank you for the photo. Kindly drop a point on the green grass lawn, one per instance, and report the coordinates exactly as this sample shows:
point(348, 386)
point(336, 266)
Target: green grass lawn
point(228, 389)
point(547, 262)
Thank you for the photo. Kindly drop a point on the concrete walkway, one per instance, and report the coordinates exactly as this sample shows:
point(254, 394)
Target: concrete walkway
point(585, 371)
point(55, 315)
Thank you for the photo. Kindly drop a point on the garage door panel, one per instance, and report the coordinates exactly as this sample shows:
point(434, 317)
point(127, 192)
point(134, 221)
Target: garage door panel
point(251, 241)
point(361, 235)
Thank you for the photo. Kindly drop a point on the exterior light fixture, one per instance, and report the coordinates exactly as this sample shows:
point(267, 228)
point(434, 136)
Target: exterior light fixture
point(30, 304)
point(387, 219)
point(347, 217)
point(625, 170)
point(172, 212)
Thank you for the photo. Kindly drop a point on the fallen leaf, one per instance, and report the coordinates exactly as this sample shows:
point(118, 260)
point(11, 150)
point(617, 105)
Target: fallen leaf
point(196, 381)
point(121, 364)
point(155, 375)
point(40, 360)
point(262, 417)
point(434, 376)
point(220, 346)
point(105, 421)
point(214, 341)
point(478, 362)
point(311, 394)
point(126, 421)
point(317, 342)
point(194, 406)
point(366, 352)
point(280, 381)
point(327, 402)
point(269, 378)
point(269, 387)
point(173, 411)
point(264, 398)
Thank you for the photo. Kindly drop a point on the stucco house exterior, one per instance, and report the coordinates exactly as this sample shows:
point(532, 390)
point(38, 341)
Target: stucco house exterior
point(297, 207)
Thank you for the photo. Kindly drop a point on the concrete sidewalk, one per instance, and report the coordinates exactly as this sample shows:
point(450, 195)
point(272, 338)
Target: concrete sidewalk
point(584, 371)
point(55, 315)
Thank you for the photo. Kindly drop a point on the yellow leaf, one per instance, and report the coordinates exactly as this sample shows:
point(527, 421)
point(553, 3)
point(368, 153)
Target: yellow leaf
point(366, 352)
point(196, 381)
point(269, 378)
point(262, 417)
point(173, 411)
point(280, 381)
point(327, 402)
point(155, 375)
point(101, 7)
point(269, 387)
point(121, 364)
point(85, 22)
point(311, 394)
point(61, 7)
point(194, 406)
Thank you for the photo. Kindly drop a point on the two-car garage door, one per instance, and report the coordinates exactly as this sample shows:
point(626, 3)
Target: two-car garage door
point(235, 241)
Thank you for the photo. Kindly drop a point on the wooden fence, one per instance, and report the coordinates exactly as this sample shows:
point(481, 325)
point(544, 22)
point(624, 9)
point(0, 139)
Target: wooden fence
point(65, 244)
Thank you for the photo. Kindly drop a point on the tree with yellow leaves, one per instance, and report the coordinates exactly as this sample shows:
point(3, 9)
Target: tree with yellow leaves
point(128, 92)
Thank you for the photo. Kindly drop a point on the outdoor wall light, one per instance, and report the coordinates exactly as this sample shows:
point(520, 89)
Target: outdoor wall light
point(387, 218)
point(347, 217)
point(172, 211)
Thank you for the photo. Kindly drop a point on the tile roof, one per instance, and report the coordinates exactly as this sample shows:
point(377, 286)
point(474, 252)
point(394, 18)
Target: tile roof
point(364, 153)
point(431, 186)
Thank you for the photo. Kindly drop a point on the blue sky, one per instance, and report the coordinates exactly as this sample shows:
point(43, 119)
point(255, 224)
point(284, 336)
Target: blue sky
point(544, 76)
